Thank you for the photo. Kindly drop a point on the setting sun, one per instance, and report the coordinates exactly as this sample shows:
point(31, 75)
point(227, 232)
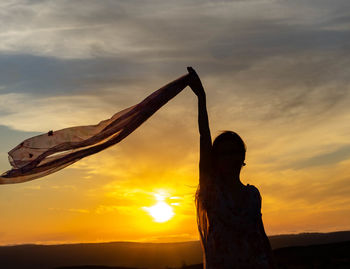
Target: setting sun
point(161, 211)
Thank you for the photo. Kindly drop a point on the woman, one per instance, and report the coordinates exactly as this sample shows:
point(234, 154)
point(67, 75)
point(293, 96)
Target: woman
point(228, 212)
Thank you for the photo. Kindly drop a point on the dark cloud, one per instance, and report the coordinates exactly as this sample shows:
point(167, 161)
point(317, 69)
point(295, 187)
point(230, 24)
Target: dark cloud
point(46, 76)
point(329, 158)
point(232, 49)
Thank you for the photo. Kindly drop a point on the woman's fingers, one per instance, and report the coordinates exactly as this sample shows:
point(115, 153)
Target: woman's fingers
point(192, 71)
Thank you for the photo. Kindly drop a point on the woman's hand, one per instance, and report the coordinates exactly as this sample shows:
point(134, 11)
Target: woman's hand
point(195, 82)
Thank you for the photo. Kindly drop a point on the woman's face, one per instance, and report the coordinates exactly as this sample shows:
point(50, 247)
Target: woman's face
point(229, 158)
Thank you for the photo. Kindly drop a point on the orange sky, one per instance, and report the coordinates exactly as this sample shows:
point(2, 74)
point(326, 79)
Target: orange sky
point(286, 94)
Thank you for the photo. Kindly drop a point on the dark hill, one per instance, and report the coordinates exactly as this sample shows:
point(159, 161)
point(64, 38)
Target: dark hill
point(326, 256)
point(147, 255)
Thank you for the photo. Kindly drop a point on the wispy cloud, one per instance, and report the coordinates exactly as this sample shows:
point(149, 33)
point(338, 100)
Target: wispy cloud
point(74, 210)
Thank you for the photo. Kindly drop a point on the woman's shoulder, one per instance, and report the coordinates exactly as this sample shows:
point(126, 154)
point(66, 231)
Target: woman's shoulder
point(253, 190)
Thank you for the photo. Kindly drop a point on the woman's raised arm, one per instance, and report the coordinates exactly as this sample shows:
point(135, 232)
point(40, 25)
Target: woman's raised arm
point(203, 124)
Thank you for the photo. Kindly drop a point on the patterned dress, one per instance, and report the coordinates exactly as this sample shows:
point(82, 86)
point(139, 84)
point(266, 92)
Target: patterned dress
point(234, 238)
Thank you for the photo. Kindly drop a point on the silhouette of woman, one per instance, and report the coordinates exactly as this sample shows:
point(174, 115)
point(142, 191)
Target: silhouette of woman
point(228, 212)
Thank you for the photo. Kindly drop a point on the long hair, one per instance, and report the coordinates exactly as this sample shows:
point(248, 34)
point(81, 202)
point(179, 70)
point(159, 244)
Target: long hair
point(233, 138)
point(203, 195)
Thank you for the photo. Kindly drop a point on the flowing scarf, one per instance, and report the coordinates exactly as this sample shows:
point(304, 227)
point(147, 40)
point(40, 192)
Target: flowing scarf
point(47, 153)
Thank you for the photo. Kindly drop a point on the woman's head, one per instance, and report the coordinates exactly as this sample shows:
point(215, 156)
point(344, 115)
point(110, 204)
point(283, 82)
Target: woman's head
point(228, 153)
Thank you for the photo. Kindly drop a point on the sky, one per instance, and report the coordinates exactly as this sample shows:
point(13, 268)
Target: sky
point(274, 71)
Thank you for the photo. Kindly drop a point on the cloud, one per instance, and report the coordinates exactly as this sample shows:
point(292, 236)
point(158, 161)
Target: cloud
point(120, 46)
point(329, 158)
point(29, 114)
point(199, 30)
point(74, 210)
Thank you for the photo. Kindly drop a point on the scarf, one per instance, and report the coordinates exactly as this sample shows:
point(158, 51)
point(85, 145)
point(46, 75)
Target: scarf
point(47, 153)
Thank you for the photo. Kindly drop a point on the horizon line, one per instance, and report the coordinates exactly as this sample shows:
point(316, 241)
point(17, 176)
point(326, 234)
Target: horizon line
point(145, 242)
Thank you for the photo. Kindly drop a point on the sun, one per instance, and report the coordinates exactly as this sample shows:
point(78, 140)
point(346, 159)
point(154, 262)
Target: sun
point(161, 211)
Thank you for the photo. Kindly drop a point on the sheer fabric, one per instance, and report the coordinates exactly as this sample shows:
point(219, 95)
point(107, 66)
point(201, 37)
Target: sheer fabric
point(47, 153)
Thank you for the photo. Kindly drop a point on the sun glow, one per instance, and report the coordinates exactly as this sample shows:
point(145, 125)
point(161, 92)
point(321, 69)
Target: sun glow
point(161, 211)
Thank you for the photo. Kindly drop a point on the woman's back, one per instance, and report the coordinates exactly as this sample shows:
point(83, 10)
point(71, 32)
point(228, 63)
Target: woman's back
point(235, 238)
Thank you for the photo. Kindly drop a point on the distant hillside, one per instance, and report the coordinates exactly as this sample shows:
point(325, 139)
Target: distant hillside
point(97, 267)
point(137, 255)
point(326, 256)
point(124, 254)
point(304, 239)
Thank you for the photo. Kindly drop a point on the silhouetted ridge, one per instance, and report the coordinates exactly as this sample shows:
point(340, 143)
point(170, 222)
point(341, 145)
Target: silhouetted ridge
point(161, 255)
point(93, 267)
